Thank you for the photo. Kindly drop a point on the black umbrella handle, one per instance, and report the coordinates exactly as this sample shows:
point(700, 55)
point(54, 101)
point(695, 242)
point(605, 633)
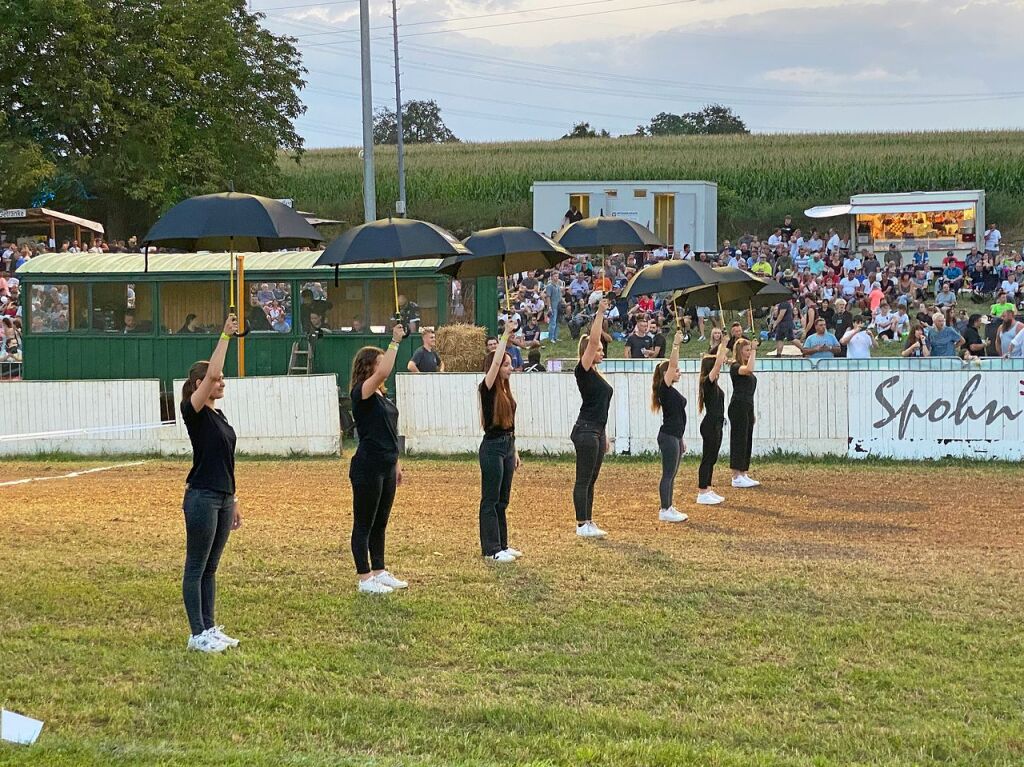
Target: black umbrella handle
point(243, 334)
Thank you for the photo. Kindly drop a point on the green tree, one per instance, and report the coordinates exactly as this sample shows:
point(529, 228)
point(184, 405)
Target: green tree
point(421, 124)
point(710, 119)
point(138, 104)
point(583, 130)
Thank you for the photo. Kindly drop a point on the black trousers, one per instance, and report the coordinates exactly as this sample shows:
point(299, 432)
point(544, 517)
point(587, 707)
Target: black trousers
point(208, 517)
point(741, 434)
point(671, 451)
point(373, 494)
point(588, 439)
point(711, 434)
point(497, 466)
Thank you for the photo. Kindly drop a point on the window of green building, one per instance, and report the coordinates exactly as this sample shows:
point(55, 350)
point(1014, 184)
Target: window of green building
point(462, 302)
point(192, 307)
point(417, 298)
point(57, 308)
point(340, 309)
point(270, 306)
point(122, 307)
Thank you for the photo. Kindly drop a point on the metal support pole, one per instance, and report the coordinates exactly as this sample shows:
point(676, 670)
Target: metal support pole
point(369, 181)
point(400, 205)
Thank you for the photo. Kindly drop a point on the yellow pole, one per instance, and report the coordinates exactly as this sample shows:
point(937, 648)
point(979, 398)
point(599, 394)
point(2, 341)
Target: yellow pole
point(750, 310)
point(241, 316)
point(231, 276)
point(504, 275)
point(394, 280)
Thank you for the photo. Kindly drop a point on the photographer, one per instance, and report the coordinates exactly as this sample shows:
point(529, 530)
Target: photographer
point(858, 341)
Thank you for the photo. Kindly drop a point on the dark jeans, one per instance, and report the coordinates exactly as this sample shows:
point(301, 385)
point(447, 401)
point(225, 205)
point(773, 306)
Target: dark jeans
point(741, 434)
point(373, 493)
point(711, 434)
point(497, 466)
point(671, 451)
point(208, 517)
point(588, 439)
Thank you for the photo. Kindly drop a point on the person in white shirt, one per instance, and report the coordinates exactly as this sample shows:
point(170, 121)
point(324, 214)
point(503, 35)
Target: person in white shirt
point(660, 254)
point(851, 264)
point(885, 322)
point(795, 243)
point(687, 254)
point(858, 342)
point(1017, 345)
point(801, 260)
point(775, 238)
point(814, 243)
point(848, 285)
point(1011, 286)
point(833, 242)
point(992, 239)
point(734, 260)
point(902, 321)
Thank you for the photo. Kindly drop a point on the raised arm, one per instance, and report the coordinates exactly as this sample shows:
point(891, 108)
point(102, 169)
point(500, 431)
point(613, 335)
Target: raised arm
point(499, 357)
point(216, 366)
point(380, 375)
point(677, 341)
point(720, 356)
point(594, 341)
point(748, 369)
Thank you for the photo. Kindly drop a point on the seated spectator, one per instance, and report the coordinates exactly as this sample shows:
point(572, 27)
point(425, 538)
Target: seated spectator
point(917, 342)
point(265, 294)
point(920, 256)
point(884, 323)
point(893, 256)
point(277, 317)
point(945, 297)
point(191, 325)
point(409, 313)
point(129, 324)
point(579, 287)
point(761, 267)
point(1010, 286)
point(849, 284)
point(534, 365)
point(821, 344)
point(943, 341)
point(875, 297)
point(953, 275)
point(902, 320)
point(857, 341)
point(357, 325)
point(816, 265)
point(1002, 304)
point(529, 336)
point(426, 359)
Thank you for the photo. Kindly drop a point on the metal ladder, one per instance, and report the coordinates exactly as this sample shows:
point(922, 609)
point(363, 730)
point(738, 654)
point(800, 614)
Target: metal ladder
point(301, 362)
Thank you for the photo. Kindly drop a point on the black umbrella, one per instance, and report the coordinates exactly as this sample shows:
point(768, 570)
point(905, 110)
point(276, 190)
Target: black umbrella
point(669, 277)
point(390, 240)
point(772, 293)
point(496, 252)
point(733, 289)
point(607, 233)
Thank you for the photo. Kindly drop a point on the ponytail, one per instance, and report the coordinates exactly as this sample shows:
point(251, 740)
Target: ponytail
point(659, 378)
point(706, 366)
point(196, 373)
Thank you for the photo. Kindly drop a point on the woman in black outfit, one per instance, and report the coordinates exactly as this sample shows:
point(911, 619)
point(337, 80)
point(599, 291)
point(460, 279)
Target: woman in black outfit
point(374, 471)
point(210, 506)
point(666, 398)
point(741, 413)
point(588, 435)
point(499, 459)
point(711, 402)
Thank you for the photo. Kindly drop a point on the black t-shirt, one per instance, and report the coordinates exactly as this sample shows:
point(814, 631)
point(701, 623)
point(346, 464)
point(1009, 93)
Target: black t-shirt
point(742, 386)
point(637, 344)
point(732, 341)
point(213, 448)
point(972, 336)
point(714, 399)
point(596, 393)
point(658, 341)
point(673, 410)
point(426, 361)
point(376, 420)
point(487, 398)
point(786, 321)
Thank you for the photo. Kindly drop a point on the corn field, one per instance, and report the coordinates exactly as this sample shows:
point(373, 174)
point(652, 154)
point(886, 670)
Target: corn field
point(471, 186)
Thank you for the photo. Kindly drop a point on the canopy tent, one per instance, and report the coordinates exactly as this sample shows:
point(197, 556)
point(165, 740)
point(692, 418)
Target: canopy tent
point(46, 219)
point(926, 202)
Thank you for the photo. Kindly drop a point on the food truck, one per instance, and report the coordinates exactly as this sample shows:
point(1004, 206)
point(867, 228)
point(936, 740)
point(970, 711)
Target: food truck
point(940, 221)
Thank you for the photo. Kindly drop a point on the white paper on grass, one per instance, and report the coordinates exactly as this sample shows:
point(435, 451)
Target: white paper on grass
point(19, 729)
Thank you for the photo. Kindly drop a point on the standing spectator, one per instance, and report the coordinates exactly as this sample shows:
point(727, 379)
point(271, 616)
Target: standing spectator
point(426, 359)
point(992, 239)
point(893, 256)
point(1007, 330)
point(786, 230)
point(638, 344)
point(920, 257)
point(943, 341)
point(553, 294)
point(821, 344)
point(783, 325)
point(857, 341)
point(571, 216)
point(974, 344)
point(833, 242)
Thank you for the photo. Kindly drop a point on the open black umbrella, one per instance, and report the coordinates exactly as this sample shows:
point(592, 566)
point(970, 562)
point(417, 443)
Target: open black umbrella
point(504, 249)
point(733, 289)
point(390, 240)
point(604, 234)
point(772, 293)
point(670, 277)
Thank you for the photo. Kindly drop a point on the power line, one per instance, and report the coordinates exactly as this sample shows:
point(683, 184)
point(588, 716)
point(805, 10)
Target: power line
point(305, 5)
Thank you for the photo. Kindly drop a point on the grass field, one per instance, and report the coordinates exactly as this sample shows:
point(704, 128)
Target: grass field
point(843, 614)
point(760, 177)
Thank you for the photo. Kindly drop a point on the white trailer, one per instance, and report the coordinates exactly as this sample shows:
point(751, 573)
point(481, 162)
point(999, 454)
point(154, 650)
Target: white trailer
point(679, 212)
point(940, 221)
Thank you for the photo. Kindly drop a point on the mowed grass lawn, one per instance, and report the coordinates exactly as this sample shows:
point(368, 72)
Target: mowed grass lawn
point(843, 614)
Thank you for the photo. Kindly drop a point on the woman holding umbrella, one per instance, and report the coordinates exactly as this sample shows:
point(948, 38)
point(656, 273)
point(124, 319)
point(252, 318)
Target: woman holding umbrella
point(666, 398)
point(374, 472)
point(588, 435)
point(499, 458)
point(741, 412)
point(711, 402)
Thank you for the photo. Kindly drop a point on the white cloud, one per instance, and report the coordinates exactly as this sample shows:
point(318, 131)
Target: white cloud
point(818, 76)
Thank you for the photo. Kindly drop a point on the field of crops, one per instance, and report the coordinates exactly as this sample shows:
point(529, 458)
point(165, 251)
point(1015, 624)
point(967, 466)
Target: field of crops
point(470, 186)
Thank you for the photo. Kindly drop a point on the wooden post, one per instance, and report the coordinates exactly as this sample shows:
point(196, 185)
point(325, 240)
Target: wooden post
point(241, 316)
point(78, 235)
point(53, 234)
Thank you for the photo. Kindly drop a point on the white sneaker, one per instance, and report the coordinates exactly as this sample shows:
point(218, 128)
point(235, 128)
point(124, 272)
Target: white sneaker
point(590, 530)
point(514, 552)
point(753, 482)
point(206, 642)
point(389, 580)
point(707, 498)
point(671, 514)
point(744, 481)
point(502, 556)
point(701, 338)
point(217, 632)
point(373, 586)
point(713, 494)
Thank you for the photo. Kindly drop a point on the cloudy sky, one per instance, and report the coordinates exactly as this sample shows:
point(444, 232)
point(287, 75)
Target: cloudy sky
point(526, 69)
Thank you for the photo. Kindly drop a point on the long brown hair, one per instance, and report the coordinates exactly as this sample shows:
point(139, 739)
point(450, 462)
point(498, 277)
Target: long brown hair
point(196, 373)
point(504, 402)
point(363, 366)
point(584, 340)
point(741, 343)
point(707, 364)
point(659, 378)
point(912, 336)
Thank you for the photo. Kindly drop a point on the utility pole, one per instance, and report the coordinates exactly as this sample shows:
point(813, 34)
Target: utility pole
point(369, 180)
point(400, 205)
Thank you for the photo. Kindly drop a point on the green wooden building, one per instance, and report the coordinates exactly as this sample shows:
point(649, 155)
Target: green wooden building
point(103, 316)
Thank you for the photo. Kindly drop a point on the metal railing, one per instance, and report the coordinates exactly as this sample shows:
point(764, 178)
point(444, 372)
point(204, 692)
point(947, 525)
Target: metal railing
point(797, 364)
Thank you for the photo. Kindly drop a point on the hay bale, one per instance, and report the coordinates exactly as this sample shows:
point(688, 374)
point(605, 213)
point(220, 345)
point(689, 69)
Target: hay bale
point(462, 348)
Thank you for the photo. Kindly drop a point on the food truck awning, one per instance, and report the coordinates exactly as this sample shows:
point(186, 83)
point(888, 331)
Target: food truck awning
point(45, 216)
point(828, 211)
